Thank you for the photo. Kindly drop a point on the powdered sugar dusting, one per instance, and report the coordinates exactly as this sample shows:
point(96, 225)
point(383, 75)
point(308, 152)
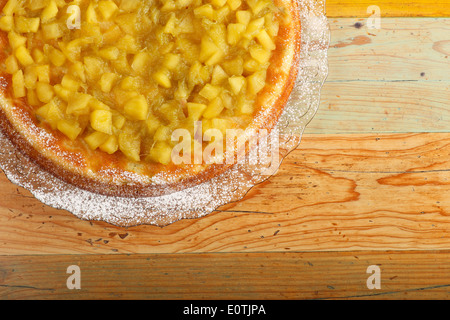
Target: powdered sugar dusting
point(204, 198)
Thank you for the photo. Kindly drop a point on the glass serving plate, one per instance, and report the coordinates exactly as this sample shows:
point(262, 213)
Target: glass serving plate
point(204, 198)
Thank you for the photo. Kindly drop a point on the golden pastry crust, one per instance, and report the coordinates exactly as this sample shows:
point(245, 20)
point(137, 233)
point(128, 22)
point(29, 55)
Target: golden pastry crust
point(114, 174)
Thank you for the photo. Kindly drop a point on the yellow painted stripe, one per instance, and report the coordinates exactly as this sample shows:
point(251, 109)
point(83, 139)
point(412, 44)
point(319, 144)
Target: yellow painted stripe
point(388, 8)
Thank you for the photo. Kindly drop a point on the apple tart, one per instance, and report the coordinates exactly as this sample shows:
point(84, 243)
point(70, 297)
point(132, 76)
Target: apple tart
point(94, 90)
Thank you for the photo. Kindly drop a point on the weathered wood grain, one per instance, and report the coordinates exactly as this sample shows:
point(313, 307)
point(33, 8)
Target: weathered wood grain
point(381, 187)
point(403, 49)
point(394, 79)
point(261, 276)
point(388, 8)
point(336, 192)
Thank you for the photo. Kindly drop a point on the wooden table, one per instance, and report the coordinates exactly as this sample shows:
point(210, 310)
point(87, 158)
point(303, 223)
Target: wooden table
point(368, 186)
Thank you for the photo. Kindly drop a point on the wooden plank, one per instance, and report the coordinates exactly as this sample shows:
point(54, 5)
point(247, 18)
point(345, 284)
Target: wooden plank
point(336, 192)
point(388, 8)
point(390, 80)
point(382, 107)
point(263, 276)
point(403, 49)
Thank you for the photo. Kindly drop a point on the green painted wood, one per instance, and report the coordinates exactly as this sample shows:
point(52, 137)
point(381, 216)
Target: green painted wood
point(392, 80)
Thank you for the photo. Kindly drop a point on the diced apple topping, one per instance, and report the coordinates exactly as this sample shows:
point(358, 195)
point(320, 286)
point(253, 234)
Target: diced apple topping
point(132, 71)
